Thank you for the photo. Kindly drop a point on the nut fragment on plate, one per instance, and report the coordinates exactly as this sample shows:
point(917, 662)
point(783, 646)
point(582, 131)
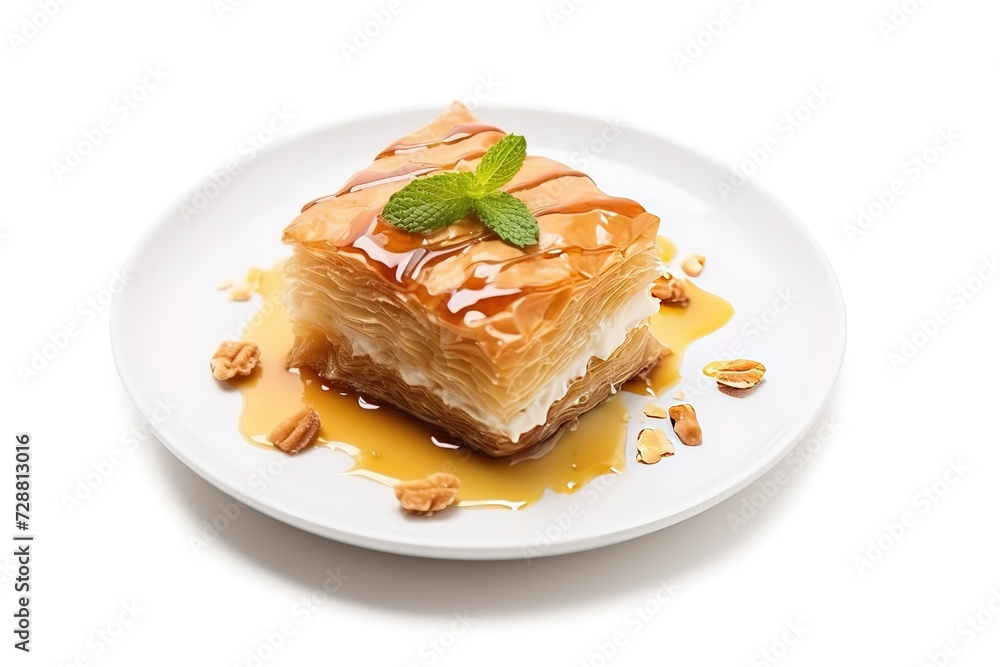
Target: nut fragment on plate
point(234, 358)
point(739, 373)
point(241, 291)
point(297, 432)
point(693, 265)
point(686, 424)
point(653, 445)
point(670, 290)
point(428, 495)
point(655, 411)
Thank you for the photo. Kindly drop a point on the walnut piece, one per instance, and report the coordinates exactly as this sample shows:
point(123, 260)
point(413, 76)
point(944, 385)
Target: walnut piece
point(693, 265)
point(686, 424)
point(428, 495)
point(234, 358)
point(655, 411)
point(297, 432)
point(670, 290)
point(653, 445)
point(740, 373)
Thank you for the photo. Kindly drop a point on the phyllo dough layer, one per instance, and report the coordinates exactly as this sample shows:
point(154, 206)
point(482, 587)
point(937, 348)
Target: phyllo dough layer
point(486, 343)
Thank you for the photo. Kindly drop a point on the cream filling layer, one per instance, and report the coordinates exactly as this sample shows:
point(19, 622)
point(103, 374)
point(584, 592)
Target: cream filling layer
point(533, 411)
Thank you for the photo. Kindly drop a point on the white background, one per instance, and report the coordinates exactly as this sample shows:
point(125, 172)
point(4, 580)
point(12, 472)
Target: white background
point(803, 560)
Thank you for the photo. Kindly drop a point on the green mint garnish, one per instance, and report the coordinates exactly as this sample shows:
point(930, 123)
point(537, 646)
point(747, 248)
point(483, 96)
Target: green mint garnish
point(427, 204)
point(430, 203)
point(508, 217)
point(501, 162)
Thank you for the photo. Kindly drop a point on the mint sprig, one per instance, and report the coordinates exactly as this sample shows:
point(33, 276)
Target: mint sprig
point(503, 211)
point(501, 162)
point(430, 203)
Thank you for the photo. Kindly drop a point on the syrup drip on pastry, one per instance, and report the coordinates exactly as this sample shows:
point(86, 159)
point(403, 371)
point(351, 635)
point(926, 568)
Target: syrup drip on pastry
point(464, 272)
point(387, 446)
point(457, 133)
point(413, 166)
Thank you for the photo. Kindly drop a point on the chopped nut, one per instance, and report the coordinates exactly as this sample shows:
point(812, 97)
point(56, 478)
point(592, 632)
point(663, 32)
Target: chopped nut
point(653, 445)
point(234, 358)
point(693, 265)
point(679, 395)
point(225, 284)
point(655, 411)
point(686, 425)
point(739, 373)
point(241, 291)
point(297, 432)
point(670, 290)
point(428, 495)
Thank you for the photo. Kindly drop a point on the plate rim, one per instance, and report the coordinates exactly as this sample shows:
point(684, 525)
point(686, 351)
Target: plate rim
point(718, 491)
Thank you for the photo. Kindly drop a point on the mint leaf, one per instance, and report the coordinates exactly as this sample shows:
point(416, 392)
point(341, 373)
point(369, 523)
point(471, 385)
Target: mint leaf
point(433, 202)
point(430, 203)
point(507, 215)
point(500, 163)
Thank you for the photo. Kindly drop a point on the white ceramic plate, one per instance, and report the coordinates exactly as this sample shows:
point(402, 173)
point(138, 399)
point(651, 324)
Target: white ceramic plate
point(789, 314)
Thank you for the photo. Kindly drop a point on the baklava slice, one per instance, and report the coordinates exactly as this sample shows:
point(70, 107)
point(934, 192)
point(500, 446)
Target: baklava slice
point(493, 345)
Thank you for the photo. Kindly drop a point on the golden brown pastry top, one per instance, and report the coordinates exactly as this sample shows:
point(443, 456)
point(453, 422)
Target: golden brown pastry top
point(464, 272)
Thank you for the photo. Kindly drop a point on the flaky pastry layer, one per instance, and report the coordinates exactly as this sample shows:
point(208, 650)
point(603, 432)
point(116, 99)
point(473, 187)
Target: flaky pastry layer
point(495, 345)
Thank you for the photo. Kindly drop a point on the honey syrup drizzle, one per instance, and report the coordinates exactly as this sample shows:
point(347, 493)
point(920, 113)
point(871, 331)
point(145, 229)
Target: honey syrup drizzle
point(677, 328)
point(387, 446)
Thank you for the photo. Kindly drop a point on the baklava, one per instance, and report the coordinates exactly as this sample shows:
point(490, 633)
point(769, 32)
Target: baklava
point(489, 344)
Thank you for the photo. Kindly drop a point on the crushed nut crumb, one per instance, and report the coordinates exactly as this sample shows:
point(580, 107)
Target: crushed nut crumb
point(739, 374)
point(241, 291)
point(670, 290)
point(297, 432)
point(686, 425)
point(428, 495)
point(693, 265)
point(234, 358)
point(655, 411)
point(652, 446)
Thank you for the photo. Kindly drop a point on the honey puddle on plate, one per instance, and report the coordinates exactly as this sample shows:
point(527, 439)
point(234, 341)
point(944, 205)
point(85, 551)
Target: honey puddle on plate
point(387, 446)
